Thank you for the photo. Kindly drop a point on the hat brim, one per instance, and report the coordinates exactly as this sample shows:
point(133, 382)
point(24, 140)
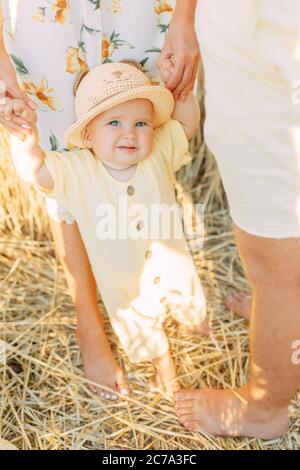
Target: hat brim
point(161, 98)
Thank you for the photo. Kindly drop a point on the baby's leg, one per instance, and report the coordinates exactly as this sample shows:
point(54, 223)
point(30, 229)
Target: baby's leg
point(165, 373)
point(189, 308)
point(99, 363)
point(143, 338)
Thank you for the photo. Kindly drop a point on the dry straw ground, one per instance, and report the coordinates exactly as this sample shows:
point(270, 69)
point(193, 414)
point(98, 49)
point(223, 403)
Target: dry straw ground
point(45, 401)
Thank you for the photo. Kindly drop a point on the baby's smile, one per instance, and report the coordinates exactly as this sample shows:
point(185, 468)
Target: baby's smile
point(127, 148)
point(123, 135)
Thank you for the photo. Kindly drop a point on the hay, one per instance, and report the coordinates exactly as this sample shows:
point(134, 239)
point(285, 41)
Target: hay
point(45, 401)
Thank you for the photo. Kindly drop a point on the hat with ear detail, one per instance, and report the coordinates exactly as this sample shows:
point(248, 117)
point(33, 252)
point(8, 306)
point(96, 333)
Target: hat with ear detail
point(108, 85)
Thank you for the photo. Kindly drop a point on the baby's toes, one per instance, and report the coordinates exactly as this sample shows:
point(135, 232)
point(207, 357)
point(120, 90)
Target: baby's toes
point(203, 329)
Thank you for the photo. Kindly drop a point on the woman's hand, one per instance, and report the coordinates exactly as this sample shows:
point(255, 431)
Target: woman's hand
point(16, 108)
point(182, 46)
point(9, 88)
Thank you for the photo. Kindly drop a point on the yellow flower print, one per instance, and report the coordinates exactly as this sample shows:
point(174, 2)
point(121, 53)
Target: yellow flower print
point(40, 16)
point(109, 45)
point(107, 49)
point(164, 13)
point(57, 12)
point(71, 147)
point(155, 80)
point(162, 6)
point(41, 94)
point(76, 60)
point(55, 145)
point(61, 10)
point(115, 7)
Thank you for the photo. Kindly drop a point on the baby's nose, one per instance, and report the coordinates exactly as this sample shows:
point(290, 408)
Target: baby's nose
point(129, 131)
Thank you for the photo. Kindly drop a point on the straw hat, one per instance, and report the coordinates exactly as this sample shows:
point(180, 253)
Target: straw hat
point(111, 84)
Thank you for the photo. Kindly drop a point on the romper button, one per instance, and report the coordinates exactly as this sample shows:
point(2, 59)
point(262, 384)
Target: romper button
point(156, 280)
point(130, 190)
point(140, 225)
point(148, 254)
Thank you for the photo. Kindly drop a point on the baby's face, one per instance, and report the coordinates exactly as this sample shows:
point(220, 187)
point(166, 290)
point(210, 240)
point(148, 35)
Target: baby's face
point(123, 135)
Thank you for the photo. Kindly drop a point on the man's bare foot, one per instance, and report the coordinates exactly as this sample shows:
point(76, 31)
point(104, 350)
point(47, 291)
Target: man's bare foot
point(203, 329)
point(165, 374)
point(229, 413)
point(240, 304)
point(99, 363)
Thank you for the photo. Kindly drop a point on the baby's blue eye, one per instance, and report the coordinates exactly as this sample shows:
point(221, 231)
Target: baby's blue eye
point(141, 124)
point(114, 123)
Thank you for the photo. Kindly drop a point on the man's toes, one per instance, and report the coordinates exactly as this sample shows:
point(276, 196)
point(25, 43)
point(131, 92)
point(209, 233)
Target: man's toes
point(184, 411)
point(240, 296)
point(187, 421)
point(240, 304)
point(229, 301)
point(184, 395)
point(191, 426)
point(237, 298)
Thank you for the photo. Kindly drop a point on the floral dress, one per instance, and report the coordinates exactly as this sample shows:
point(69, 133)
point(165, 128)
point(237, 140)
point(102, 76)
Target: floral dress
point(51, 41)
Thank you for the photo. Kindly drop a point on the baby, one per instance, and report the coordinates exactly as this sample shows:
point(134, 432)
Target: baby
point(129, 139)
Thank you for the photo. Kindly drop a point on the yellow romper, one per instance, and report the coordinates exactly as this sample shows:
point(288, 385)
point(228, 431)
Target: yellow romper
point(140, 274)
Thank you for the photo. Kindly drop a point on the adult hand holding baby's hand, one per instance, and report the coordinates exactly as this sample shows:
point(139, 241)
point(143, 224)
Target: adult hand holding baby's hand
point(182, 46)
point(166, 69)
point(16, 114)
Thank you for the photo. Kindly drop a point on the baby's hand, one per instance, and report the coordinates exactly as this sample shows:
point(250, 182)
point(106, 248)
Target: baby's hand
point(24, 117)
point(167, 69)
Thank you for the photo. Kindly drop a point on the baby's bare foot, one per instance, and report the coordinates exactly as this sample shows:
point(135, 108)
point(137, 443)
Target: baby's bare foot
point(228, 413)
point(99, 363)
point(165, 374)
point(203, 329)
point(240, 304)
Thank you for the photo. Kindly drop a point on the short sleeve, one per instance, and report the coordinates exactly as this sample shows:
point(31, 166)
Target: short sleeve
point(60, 167)
point(173, 144)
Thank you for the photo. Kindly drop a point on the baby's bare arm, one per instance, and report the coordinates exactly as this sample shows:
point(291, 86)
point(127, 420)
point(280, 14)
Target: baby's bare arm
point(28, 157)
point(188, 114)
